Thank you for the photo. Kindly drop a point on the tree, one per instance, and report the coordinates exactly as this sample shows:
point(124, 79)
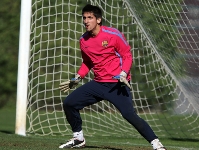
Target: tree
point(9, 39)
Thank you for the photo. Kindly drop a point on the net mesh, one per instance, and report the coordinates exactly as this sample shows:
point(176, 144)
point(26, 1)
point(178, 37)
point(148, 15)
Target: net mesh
point(164, 38)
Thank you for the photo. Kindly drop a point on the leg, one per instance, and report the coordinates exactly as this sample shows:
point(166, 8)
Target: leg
point(85, 95)
point(121, 98)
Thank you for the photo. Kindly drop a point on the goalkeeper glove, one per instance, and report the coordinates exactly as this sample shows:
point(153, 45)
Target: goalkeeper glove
point(70, 84)
point(122, 78)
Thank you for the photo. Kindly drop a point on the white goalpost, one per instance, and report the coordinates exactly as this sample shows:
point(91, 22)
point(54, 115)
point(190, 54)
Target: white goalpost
point(164, 36)
point(23, 61)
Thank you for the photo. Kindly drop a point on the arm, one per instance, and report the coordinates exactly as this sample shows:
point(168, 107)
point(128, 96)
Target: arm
point(82, 72)
point(85, 66)
point(124, 50)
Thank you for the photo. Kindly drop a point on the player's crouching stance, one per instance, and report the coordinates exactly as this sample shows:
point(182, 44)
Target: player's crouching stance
point(105, 51)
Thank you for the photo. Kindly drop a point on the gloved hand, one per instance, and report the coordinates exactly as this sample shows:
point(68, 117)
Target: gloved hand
point(122, 78)
point(70, 84)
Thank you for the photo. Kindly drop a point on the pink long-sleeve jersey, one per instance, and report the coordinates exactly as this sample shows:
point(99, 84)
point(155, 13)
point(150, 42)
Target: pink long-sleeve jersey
point(107, 54)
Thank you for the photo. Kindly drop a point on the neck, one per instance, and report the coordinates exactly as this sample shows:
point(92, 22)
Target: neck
point(95, 31)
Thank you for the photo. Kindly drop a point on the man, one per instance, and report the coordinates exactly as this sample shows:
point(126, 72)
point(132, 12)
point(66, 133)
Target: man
point(105, 51)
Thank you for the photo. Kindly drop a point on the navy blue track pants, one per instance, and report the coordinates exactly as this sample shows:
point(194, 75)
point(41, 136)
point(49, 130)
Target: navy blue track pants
point(116, 93)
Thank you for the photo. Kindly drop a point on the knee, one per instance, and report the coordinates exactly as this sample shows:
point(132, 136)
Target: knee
point(131, 116)
point(67, 103)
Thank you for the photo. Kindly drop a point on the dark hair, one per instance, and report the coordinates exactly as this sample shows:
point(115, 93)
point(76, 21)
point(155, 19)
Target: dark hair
point(97, 12)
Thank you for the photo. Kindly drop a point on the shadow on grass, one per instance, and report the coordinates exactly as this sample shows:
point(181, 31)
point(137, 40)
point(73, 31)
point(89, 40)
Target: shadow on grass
point(185, 139)
point(99, 147)
point(103, 147)
point(6, 132)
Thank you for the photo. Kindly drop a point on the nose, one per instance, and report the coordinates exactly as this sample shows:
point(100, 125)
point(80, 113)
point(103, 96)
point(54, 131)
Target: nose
point(85, 20)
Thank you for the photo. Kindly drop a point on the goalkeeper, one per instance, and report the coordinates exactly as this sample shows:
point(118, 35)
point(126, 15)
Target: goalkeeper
point(105, 51)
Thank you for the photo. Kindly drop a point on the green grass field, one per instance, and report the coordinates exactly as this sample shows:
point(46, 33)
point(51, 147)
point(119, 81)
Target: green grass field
point(9, 140)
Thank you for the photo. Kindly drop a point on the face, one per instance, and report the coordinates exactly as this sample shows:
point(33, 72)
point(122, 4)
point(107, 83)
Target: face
point(91, 23)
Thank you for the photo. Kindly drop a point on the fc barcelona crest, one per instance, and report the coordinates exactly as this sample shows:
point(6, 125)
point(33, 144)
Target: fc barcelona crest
point(104, 43)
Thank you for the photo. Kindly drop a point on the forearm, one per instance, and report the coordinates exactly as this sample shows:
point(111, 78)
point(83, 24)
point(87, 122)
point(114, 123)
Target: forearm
point(127, 61)
point(124, 51)
point(83, 70)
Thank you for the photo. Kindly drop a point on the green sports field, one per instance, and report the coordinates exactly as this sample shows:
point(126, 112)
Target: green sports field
point(10, 141)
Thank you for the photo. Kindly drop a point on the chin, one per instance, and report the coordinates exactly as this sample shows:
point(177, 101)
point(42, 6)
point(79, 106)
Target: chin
point(88, 30)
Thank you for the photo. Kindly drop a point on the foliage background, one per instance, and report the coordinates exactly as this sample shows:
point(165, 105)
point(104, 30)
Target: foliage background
point(9, 45)
point(9, 39)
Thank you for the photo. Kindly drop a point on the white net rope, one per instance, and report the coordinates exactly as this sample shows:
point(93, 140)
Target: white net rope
point(164, 38)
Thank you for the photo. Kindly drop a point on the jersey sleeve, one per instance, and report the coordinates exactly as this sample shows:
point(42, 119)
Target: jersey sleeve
point(85, 66)
point(124, 50)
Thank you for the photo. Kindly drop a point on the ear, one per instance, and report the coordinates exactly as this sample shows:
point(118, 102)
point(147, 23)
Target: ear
point(99, 20)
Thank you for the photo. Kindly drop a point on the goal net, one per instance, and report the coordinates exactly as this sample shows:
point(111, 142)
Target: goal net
point(164, 36)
